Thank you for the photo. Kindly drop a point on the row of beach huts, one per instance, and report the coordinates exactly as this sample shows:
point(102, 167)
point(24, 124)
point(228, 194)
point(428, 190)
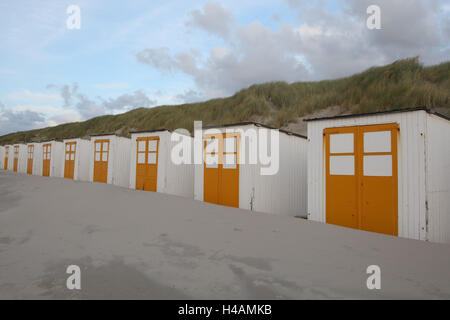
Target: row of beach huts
point(385, 172)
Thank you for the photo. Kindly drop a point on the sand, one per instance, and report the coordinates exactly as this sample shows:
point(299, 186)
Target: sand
point(142, 245)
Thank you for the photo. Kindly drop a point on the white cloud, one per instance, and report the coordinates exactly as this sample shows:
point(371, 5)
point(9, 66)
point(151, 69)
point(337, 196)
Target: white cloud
point(213, 18)
point(326, 44)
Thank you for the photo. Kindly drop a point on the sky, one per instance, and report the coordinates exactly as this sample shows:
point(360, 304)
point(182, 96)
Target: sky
point(142, 53)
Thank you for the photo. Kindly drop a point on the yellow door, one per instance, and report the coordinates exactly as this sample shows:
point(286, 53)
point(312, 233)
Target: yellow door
point(6, 158)
point(16, 158)
point(69, 163)
point(361, 177)
point(221, 169)
point(30, 159)
point(101, 158)
point(47, 155)
point(147, 155)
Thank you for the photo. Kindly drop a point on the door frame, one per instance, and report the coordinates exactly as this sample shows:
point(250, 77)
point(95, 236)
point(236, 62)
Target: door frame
point(358, 131)
point(221, 136)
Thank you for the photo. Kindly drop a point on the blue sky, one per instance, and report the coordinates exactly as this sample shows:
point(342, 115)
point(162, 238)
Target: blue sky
point(147, 53)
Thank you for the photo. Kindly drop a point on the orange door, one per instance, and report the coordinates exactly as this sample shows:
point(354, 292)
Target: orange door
point(147, 163)
point(101, 158)
point(69, 163)
point(6, 158)
point(30, 159)
point(221, 169)
point(16, 158)
point(361, 177)
point(46, 157)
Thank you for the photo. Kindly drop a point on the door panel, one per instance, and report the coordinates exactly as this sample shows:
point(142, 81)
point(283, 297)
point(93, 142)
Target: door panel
point(101, 159)
point(30, 159)
point(211, 170)
point(341, 185)
point(16, 158)
point(46, 157)
point(69, 162)
point(6, 158)
point(147, 154)
point(379, 193)
point(361, 177)
point(221, 169)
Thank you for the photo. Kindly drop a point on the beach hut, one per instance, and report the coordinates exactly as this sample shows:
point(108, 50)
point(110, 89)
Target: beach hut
point(254, 167)
point(19, 158)
point(385, 172)
point(152, 167)
point(52, 158)
point(76, 159)
point(109, 159)
point(9, 159)
point(34, 158)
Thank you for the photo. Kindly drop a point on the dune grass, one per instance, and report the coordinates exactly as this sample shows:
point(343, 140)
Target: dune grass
point(402, 84)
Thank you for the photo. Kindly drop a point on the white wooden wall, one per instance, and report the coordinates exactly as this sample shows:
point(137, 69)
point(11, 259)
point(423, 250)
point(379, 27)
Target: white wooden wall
point(37, 158)
point(438, 178)
point(22, 163)
point(121, 166)
point(2, 157)
point(57, 159)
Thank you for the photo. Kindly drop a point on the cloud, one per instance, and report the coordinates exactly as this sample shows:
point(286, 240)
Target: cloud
point(130, 101)
point(189, 96)
point(89, 108)
point(325, 44)
point(213, 19)
point(11, 121)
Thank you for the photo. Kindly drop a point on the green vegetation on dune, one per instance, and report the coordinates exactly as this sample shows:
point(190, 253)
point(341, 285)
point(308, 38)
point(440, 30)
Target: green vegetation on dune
point(403, 84)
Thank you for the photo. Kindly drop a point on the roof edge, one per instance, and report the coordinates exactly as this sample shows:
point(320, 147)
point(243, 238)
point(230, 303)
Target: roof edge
point(258, 124)
point(429, 111)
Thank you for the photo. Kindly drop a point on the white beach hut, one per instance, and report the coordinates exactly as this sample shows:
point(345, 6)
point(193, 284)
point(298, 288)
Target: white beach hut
point(76, 159)
point(152, 167)
point(386, 172)
point(254, 167)
point(109, 159)
point(52, 158)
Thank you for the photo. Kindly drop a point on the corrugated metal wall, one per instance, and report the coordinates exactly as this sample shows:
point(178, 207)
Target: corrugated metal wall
point(283, 193)
point(438, 178)
point(411, 167)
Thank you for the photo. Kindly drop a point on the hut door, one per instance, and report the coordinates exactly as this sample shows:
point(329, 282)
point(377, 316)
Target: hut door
point(221, 169)
point(361, 177)
point(16, 158)
point(69, 163)
point(47, 154)
point(30, 159)
point(6, 158)
point(147, 163)
point(101, 158)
